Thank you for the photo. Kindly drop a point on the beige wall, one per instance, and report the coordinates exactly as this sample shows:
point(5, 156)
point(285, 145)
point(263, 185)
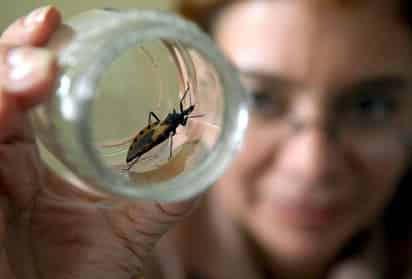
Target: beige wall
point(11, 9)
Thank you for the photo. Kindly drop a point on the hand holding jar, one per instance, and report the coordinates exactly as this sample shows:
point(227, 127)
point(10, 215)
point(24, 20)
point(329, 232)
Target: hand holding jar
point(48, 228)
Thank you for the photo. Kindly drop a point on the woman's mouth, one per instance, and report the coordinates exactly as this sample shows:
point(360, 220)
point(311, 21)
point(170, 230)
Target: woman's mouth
point(307, 216)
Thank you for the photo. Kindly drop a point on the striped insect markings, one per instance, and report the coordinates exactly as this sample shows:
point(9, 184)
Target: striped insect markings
point(157, 132)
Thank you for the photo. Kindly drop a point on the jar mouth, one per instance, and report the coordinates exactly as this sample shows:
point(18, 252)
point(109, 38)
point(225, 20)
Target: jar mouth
point(96, 100)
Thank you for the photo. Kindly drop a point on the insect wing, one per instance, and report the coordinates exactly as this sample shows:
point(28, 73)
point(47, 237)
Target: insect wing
point(142, 142)
point(161, 133)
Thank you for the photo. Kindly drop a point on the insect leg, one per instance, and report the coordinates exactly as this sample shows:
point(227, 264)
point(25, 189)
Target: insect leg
point(129, 166)
point(171, 146)
point(197, 115)
point(184, 96)
point(154, 115)
point(172, 134)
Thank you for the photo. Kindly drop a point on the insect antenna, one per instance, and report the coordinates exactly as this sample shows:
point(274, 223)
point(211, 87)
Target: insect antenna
point(184, 96)
point(197, 115)
point(190, 96)
point(116, 144)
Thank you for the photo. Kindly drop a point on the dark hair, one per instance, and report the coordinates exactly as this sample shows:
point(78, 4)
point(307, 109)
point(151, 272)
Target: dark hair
point(397, 223)
point(203, 11)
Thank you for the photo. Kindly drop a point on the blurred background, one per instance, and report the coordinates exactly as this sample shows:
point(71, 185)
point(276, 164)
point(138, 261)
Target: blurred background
point(12, 9)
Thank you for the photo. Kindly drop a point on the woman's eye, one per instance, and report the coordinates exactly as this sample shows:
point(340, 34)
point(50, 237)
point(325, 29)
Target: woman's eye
point(373, 108)
point(261, 98)
point(267, 103)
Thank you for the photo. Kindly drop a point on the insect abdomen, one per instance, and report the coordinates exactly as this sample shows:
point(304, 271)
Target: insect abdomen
point(149, 139)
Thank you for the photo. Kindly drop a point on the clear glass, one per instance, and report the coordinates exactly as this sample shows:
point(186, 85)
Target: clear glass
point(117, 68)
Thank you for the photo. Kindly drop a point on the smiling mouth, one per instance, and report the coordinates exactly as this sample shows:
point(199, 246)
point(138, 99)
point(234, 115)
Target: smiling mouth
point(307, 216)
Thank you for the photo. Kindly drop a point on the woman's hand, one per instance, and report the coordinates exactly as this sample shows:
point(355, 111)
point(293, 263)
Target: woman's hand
point(48, 229)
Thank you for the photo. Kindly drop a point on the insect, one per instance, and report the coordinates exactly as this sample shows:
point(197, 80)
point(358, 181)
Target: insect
point(158, 131)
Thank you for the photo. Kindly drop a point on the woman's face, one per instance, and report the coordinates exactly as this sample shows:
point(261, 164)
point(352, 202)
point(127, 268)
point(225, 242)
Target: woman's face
point(328, 138)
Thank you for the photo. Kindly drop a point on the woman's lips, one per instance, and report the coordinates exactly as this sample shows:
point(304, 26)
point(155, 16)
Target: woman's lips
point(307, 216)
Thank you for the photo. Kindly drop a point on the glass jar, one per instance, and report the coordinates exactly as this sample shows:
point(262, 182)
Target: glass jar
point(121, 92)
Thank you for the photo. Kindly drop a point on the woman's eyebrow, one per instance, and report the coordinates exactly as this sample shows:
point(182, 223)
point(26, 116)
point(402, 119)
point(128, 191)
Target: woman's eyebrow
point(269, 79)
point(379, 84)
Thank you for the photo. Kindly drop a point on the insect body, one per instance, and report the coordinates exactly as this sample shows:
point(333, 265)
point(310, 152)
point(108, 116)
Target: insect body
point(157, 132)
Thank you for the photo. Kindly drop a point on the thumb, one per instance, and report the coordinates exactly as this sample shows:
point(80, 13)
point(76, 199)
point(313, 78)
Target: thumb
point(140, 225)
point(27, 74)
point(152, 219)
point(179, 209)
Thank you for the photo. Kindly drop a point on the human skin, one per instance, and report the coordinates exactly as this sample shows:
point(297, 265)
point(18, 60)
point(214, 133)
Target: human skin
point(297, 189)
point(327, 190)
point(48, 229)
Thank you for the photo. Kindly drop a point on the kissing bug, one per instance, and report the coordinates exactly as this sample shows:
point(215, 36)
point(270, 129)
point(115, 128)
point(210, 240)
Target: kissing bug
point(158, 131)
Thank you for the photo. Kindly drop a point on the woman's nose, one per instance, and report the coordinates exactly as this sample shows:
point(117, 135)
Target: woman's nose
point(312, 153)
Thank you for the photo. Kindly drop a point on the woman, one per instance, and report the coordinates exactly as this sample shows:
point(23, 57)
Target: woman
point(318, 191)
point(320, 187)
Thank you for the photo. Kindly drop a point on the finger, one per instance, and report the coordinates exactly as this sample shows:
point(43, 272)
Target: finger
point(27, 76)
point(140, 225)
point(34, 29)
point(21, 158)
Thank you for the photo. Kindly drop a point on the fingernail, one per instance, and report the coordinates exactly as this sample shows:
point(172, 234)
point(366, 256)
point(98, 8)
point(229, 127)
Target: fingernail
point(37, 16)
point(25, 67)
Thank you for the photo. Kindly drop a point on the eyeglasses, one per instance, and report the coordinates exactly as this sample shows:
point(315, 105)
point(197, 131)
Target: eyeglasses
point(366, 119)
